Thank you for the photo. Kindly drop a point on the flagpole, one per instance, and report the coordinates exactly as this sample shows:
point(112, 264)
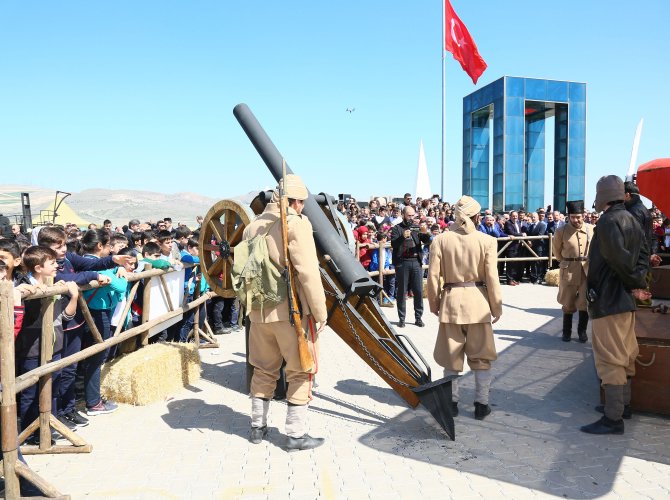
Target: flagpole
point(444, 76)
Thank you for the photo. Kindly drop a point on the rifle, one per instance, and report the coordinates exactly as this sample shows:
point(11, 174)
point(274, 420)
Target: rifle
point(306, 359)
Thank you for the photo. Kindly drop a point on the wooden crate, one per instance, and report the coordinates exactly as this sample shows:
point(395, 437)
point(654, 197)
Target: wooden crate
point(660, 282)
point(651, 384)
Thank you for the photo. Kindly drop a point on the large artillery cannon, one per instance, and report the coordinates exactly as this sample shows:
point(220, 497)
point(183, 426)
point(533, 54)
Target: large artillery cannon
point(353, 311)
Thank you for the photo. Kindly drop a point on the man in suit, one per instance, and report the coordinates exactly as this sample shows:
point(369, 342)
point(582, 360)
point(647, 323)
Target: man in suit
point(407, 239)
point(571, 247)
point(489, 226)
point(464, 292)
point(513, 230)
point(538, 268)
point(272, 338)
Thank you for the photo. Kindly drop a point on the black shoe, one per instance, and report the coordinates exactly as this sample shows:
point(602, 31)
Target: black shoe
point(454, 408)
point(257, 434)
point(34, 438)
point(627, 411)
point(419, 323)
point(604, 426)
point(76, 418)
point(306, 442)
point(221, 331)
point(401, 324)
point(70, 425)
point(481, 411)
point(583, 338)
point(566, 338)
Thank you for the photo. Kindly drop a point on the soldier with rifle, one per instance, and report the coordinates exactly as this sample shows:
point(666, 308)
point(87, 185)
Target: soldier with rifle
point(289, 330)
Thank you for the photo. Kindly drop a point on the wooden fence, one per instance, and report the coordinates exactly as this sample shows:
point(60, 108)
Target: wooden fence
point(11, 439)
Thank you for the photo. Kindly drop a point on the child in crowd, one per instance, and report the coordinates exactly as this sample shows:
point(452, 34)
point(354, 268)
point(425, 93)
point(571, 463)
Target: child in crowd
point(191, 255)
point(169, 250)
point(18, 305)
point(40, 263)
point(389, 279)
point(151, 254)
point(117, 242)
point(101, 302)
point(74, 267)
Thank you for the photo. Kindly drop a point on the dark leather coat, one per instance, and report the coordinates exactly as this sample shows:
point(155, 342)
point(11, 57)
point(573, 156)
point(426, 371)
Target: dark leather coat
point(643, 216)
point(616, 264)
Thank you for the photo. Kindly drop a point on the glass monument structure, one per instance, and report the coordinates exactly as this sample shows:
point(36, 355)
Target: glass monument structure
point(504, 142)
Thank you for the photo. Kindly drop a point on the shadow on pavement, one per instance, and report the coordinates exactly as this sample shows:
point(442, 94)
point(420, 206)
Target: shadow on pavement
point(384, 395)
point(543, 391)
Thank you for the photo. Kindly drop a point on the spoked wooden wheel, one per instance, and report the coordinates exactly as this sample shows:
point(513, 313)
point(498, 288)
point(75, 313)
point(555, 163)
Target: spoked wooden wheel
point(221, 231)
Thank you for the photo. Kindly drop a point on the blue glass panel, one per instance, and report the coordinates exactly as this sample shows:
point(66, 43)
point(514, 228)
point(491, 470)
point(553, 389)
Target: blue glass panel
point(557, 91)
point(467, 119)
point(497, 182)
point(515, 125)
point(467, 104)
point(515, 106)
point(561, 148)
point(577, 111)
point(514, 87)
point(514, 144)
point(498, 145)
point(536, 89)
point(466, 153)
point(576, 166)
point(476, 100)
point(487, 94)
point(498, 108)
point(498, 202)
point(535, 161)
point(577, 130)
point(576, 148)
point(514, 165)
point(577, 92)
point(498, 124)
point(498, 88)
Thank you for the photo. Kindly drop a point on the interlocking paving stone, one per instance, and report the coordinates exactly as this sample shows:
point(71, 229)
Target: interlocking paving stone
point(195, 445)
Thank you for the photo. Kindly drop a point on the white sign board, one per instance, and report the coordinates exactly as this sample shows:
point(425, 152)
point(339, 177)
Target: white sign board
point(159, 303)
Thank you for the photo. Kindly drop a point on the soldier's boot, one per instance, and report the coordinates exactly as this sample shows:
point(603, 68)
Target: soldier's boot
point(455, 396)
point(296, 429)
point(612, 421)
point(259, 419)
point(581, 326)
point(482, 388)
point(567, 327)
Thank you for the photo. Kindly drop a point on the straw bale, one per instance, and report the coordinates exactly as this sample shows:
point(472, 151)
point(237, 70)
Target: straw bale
point(151, 373)
point(552, 277)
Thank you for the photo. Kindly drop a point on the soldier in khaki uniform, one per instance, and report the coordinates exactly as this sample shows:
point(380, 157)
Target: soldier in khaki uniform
point(571, 248)
point(272, 338)
point(464, 292)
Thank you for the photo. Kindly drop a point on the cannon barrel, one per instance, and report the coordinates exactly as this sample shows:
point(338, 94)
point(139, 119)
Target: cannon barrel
point(351, 275)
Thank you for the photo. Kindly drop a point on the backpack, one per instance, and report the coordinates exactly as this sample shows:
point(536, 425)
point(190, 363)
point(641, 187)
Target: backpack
point(257, 280)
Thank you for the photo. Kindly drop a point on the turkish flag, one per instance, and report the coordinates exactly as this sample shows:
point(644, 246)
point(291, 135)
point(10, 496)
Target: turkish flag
point(458, 41)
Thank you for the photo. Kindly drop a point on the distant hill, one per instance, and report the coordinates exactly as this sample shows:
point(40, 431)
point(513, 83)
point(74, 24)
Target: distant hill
point(117, 205)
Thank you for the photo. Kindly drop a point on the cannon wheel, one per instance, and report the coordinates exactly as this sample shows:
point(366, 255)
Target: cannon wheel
point(221, 231)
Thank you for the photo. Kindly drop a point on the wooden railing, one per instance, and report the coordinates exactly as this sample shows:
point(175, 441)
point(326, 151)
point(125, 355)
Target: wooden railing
point(11, 385)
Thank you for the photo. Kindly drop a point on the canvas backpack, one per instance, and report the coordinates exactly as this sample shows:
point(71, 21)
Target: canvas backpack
point(257, 280)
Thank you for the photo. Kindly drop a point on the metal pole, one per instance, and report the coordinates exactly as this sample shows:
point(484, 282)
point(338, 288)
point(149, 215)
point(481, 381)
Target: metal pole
point(444, 109)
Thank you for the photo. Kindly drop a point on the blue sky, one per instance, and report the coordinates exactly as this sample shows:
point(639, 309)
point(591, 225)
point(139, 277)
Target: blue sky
point(139, 94)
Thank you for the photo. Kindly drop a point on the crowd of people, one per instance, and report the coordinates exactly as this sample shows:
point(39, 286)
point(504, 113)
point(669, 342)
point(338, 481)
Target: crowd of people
point(76, 257)
point(372, 225)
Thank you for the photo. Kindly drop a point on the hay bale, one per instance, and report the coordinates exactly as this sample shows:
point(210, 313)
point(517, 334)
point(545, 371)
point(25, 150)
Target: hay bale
point(552, 277)
point(151, 373)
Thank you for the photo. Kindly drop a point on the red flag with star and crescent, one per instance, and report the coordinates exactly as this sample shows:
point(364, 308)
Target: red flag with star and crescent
point(458, 41)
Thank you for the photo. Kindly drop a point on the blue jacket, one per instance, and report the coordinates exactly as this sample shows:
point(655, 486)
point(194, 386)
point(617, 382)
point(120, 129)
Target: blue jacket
point(491, 231)
point(374, 263)
point(106, 297)
point(80, 269)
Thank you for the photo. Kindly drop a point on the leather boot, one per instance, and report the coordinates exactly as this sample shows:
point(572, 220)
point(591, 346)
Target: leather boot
point(259, 418)
point(581, 326)
point(296, 426)
point(567, 327)
point(611, 422)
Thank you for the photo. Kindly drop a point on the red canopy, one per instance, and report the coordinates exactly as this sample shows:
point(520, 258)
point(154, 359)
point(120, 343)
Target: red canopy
point(653, 179)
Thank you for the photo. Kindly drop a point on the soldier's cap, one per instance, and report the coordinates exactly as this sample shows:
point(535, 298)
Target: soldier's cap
point(468, 206)
point(608, 189)
point(575, 207)
point(295, 188)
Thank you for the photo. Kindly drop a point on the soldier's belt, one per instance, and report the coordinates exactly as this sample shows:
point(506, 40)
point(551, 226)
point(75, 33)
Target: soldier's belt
point(575, 259)
point(463, 284)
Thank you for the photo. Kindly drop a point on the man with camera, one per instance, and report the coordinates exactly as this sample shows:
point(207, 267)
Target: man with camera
point(406, 241)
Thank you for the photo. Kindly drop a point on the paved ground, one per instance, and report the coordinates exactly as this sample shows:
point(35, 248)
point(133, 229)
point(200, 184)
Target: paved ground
point(195, 445)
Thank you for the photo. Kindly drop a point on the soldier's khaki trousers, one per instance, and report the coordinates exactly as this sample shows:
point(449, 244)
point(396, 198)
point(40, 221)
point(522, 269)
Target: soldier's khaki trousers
point(572, 297)
point(269, 345)
point(474, 340)
point(615, 347)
